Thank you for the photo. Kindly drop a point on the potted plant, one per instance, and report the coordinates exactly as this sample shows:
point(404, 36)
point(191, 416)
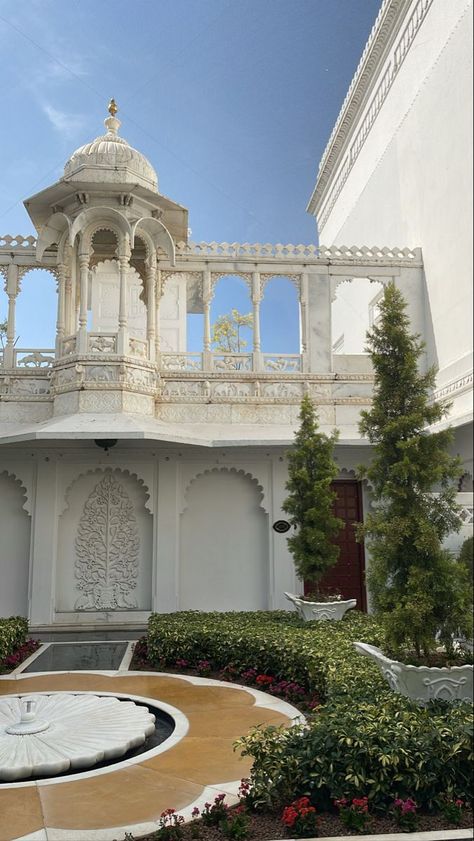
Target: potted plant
point(311, 470)
point(422, 593)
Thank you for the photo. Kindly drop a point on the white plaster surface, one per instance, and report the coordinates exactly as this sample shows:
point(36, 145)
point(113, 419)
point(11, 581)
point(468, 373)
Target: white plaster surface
point(224, 557)
point(14, 547)
point(408, 180)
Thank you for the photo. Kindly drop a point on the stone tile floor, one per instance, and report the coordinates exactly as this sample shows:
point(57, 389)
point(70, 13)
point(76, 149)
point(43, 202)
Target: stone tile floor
point(101, 805)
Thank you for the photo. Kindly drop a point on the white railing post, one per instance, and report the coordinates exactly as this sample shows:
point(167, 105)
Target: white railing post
point(256, 299)
point(12, 292)
point(207, 298)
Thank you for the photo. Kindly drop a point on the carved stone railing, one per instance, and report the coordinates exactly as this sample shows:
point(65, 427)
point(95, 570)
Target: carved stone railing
point(181, 361)
point(232, 362)
point(466, 502)
point(102, 343)
point(33, 357)
point(68, 345)
point(283, 363)
point(137, 347)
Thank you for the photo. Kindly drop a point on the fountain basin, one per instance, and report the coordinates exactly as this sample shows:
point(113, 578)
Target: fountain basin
point(66, 731)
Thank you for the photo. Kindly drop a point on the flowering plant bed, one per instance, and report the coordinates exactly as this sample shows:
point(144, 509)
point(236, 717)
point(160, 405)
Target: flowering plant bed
point(287, 690)
point(11, 661)
point(299, 819)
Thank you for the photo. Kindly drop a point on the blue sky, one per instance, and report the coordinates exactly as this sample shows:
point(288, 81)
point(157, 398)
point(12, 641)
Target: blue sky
point(231, 100)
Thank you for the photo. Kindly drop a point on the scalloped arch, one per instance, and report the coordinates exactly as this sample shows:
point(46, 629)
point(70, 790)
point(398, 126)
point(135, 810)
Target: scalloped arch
point(26, 504)
point(267, 277)
point(157, 235)
point(337, 280)
point(96, 470)
point(52, 233)
point(234, 470)
point(102, 217)
point(351, 473)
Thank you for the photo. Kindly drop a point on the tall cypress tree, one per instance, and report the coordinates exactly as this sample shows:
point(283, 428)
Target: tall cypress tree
point(311, 470)
point(417, 586)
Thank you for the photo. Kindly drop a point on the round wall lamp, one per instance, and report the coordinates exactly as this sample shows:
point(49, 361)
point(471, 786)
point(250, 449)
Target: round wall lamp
point(105, 444)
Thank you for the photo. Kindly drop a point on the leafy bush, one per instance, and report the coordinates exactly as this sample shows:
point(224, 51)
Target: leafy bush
point(319, 656)
point(384, 751)
point(13, 634)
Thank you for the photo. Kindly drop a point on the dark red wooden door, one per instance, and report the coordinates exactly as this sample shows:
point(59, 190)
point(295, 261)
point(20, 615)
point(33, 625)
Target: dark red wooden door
point(347, 575)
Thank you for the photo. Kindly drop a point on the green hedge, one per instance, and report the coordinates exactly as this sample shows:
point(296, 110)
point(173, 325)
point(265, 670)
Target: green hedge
point(319, 656)
point(365, 740)
point(13, 633)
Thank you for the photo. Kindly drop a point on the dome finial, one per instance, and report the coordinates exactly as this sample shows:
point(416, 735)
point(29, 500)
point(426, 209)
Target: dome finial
point(112, 124)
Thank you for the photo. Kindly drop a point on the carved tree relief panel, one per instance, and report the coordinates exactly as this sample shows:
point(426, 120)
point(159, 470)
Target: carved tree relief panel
point(107, 549)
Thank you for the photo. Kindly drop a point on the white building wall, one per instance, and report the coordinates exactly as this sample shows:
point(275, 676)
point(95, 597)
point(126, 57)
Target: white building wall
point(410, 183)
point(14, 547)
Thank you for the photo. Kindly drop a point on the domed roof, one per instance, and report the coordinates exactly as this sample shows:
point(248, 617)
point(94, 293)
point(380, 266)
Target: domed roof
point(111, 158)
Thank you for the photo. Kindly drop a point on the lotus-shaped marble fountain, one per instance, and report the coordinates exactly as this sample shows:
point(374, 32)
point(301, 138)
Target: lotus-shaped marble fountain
point(49, 734)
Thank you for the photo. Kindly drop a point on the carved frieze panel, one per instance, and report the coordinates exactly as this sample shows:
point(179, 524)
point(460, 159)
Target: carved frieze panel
point(102, 373)
point(229, 390)
point(29, 386)
point(107, 549)
point(280, 391)
point(140, 377)
point(181, 389)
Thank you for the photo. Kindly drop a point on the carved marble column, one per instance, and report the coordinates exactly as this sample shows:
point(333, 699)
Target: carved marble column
point(124, 265)
point(60, 322)
point(84, 289)
point(256, 300)
point(207, 299)
point(319, 323)
point(151, 307)
point(158, 297)
point(12, 289)
point(304, 320)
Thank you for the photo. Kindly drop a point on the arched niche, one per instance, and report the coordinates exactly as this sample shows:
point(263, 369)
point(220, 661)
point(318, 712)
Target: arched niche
point(224, 550)
point(104, 545)
point(36, 310)
point(280, 316)
point(15, 528)
point(232, 291)
point(354, 311)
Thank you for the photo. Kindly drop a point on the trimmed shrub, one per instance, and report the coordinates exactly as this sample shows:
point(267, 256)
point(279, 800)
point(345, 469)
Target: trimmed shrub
point(385, 751)
point(13, 633)
point(317, 655)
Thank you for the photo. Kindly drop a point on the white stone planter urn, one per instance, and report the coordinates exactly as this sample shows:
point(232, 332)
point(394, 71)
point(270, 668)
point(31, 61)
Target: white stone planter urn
point(314, 611)
point(422, 683)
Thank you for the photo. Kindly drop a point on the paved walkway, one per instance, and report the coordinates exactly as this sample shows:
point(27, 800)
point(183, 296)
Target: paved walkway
point(101, 805)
